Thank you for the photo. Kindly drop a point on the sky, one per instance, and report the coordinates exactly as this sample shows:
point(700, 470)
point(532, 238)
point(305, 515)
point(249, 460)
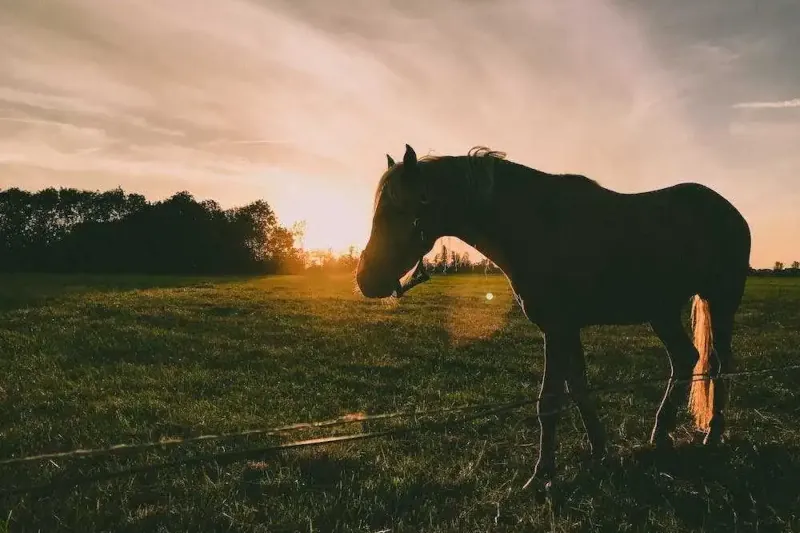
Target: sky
point(298, 101)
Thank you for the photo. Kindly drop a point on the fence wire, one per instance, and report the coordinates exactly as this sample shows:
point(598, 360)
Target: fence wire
point(483, 410)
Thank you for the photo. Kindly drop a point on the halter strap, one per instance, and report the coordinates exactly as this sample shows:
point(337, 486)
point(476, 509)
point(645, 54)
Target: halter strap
point(420, 275)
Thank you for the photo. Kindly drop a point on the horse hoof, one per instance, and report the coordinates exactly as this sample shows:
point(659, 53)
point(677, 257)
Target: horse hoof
point(542, 476)
point(598, 452)
point(594, 456)
point(661, 439)
point(663, 444)
point(537, 481)
point(541, 489)
point(600, 459)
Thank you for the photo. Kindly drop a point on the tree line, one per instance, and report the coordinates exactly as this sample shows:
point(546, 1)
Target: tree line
point(77, 231)
point(778, 270)
point(70, 230)
point(445, 261)
point(448, 261)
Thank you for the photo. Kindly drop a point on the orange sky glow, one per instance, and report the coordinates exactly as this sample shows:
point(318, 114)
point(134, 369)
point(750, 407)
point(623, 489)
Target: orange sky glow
point(297, 101)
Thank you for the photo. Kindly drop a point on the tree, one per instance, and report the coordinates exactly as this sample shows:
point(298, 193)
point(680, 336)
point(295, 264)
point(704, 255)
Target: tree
point(795, 265)
point(68, 230)
point(442, 260)
point(778, 266)
point(298, 230)
point(455, 260)
point(349, 261)
point(466, 262)
point(283, 256)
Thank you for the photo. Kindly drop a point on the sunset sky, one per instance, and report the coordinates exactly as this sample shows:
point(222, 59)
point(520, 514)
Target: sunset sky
point(297, 101)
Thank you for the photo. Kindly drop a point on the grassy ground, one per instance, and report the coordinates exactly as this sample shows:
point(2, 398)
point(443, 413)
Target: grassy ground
point(88, 362)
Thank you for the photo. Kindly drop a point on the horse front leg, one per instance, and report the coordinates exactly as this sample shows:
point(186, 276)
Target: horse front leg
point(551, 398)
point(579, 391)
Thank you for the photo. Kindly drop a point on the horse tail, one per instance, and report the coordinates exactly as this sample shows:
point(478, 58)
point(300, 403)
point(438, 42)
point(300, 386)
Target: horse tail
point(701, 395)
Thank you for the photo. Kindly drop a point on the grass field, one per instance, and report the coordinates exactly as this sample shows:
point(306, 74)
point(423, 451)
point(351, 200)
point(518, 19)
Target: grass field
point(88, 362)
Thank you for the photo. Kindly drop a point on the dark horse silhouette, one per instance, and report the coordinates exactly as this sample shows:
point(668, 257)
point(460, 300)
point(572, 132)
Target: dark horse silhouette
point(577, 254)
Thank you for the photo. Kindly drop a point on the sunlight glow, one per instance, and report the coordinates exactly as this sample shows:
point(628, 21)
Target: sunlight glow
point(336, 215)
point(302, 115)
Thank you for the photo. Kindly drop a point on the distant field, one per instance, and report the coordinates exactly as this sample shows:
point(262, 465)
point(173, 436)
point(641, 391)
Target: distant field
point(94, 361)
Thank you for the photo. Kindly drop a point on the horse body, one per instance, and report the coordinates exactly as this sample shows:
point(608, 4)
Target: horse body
point(578, 254)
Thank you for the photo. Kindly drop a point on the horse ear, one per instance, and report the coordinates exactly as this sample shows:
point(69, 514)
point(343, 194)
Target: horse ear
point(410, 157)
point(390, 161)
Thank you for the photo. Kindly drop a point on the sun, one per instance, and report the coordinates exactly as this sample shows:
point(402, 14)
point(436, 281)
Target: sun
point(336, 217)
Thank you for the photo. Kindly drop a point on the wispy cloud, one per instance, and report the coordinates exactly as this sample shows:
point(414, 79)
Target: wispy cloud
point(794, 102)
point(343, 85)
point(300, 99)
point(247, 141)
point(35, 121)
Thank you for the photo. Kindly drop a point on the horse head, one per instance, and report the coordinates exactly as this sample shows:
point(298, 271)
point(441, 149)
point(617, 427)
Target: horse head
point(418, 201)
point(398, 238)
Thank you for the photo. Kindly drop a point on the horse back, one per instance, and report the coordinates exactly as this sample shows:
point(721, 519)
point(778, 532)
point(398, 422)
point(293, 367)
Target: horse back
point(609, 257)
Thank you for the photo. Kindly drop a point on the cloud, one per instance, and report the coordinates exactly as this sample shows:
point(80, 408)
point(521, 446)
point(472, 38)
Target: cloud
point(794, 102)
point(335, 89)
point(251, 95)
point(246, 141)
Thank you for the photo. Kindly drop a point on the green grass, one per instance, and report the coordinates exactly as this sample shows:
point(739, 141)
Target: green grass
point(91, 361)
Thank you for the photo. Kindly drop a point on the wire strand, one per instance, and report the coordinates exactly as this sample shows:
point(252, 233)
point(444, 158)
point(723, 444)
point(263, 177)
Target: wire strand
point(354, 418)
point(222, 458)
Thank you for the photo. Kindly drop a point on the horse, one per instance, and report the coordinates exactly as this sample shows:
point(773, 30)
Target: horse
point(577, 254)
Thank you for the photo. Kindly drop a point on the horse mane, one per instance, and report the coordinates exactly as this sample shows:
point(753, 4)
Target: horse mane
point(475, 169)
point(477, 152)
point(480, 167)
point(481, 162)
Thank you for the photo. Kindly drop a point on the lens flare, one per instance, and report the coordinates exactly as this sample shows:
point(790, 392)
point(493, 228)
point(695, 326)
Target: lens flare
point(489, 295)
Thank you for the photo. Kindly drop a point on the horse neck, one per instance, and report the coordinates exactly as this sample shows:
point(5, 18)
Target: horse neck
point(490, 228)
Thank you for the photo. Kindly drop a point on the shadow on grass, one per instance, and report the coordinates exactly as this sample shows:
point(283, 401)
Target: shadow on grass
point(736, 486)
point(33, 290)
point(323, 493)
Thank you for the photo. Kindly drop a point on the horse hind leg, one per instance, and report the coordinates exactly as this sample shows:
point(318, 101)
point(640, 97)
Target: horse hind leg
point(682, 357)
point(722, 320)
